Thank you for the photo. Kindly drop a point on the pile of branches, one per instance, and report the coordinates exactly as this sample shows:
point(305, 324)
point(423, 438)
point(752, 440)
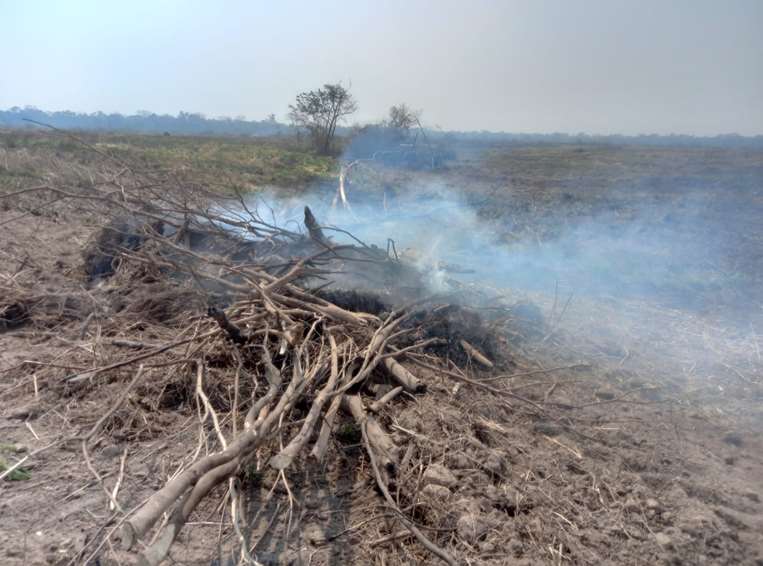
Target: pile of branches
point(289, 352)
point(294, 354)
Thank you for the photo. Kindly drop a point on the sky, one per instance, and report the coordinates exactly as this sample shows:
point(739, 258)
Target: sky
point(595, 66)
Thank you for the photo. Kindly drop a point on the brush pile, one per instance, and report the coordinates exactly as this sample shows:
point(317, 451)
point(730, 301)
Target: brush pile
point(288, 356)
point(293, 359)
point(286, 344)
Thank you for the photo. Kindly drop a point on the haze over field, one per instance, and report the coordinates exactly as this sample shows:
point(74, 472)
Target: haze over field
point(690, 67)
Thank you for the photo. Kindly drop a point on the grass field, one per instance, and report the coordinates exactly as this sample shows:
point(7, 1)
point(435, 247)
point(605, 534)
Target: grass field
point(234, 163)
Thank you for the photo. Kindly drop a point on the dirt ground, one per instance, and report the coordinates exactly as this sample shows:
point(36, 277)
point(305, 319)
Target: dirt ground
point(654, 454)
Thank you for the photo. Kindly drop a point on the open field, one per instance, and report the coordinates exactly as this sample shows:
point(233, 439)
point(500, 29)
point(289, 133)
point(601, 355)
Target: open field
point(617, 291)
point(229, 163)
point(675, 225)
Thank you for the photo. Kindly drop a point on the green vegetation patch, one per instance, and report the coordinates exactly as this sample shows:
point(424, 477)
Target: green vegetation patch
point(19, 474)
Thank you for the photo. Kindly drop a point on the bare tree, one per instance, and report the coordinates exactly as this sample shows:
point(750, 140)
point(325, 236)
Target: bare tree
point(402, 117)
point(320, 111)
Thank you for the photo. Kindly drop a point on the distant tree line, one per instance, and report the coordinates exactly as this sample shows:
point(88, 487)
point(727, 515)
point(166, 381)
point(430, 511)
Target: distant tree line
point(398, 128)
point(143, 122)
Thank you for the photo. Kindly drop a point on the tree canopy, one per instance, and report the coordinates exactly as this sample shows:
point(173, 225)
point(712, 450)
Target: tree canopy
point(402, 117)
point(320, 111)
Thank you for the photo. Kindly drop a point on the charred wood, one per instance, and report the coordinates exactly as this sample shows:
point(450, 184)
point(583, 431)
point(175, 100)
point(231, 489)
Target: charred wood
point(233, 331)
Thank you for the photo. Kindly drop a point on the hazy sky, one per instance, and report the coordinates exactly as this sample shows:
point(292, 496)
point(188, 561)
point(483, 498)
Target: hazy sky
point(604, 66)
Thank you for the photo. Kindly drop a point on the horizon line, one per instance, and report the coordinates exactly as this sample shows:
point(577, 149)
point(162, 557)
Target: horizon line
point(435, 128)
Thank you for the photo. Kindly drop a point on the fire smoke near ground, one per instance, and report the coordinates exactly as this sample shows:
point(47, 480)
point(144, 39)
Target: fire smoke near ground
point(651, 254)
point(661, 281)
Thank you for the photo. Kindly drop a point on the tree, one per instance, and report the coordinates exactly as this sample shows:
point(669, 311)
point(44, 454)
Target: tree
point(403, 118)
point(320, 111)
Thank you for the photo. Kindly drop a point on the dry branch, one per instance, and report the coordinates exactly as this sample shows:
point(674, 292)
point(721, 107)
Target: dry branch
point(377, 405)
point(321, 444)
point(476, 355)
point(421, 537)
point(379, 441)
point(233, 331)
point(404, 377)
point(284, 458)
